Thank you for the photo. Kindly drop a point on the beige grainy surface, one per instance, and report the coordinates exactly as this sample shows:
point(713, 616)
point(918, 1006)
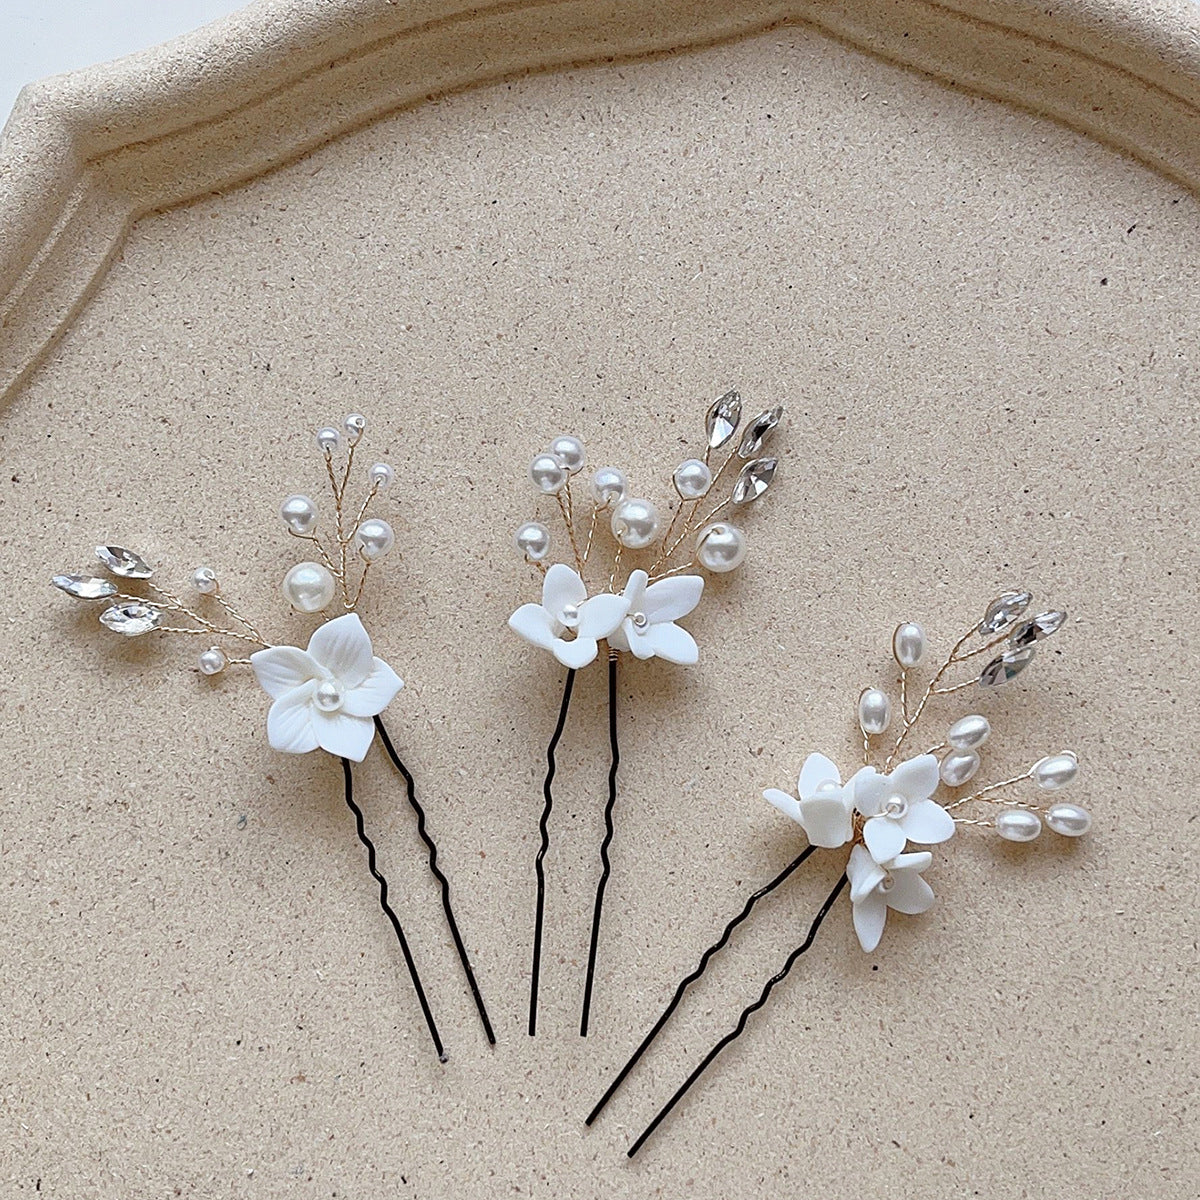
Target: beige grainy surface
point(983, 327)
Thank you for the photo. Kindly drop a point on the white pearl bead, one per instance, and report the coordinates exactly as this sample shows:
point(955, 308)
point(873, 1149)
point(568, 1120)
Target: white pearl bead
point(692, 479)
point(874, 711)
point(1055, 771)
point(1068, 819)
point(204, 580)
point(533, 540)
point(908, 644)
point(548, 474)
point(568, 449)
point(374, 538)
point(354, 425)
point(299, 514)
point(329, 696)
point(381, 476)
point(328, 439)
point(609, 486)
point(720, 547)
point(213, 661)
point(958, 766)
point(308, 587)
point(969, 733)
point(635, 523)
point(1018, 825)
point(895, 807)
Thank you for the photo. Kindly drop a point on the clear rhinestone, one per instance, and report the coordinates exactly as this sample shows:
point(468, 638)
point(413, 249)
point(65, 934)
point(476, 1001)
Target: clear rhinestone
point(1003, 610)
point(1037, 628)
point(85, 587)
point(124, 562)
point(722, 419)
point(758, 431)
point(754, 480)
point(1009, 665)
point(131, 619)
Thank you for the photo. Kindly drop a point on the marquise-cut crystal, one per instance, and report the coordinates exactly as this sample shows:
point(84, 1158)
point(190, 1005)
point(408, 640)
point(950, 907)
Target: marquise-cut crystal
point(758, 431)
point(754, 479)
point(1037, 628)
point(1004, 610)
point(124, 562)
point(1008, 666)
point(85, 587)
point(131, 619)
point(722, 419)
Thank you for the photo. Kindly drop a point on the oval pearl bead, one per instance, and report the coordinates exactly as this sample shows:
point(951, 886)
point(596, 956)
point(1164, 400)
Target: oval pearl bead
point(569, 451)
point(608, 486)
point(692, 479)
point(958, 766)
point(548, 474)
point(299, 514)
point(908, 644)
point(354, 425)
point(720, 547)
point(204, 580)
point(328, 439)
point(1018, 825)
point(874, 711)
point(1055, 771)
point(213, 661)
point(969, 733)
point(308, 587)
point(635, 523)
point(533, 540)
point(381, 476)
point(1068, 819)
point(374, 538)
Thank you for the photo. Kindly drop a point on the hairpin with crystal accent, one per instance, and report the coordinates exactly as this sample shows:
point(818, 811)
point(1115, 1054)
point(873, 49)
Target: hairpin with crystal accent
point(641, 619)
point(878, 812)
point(330, 696)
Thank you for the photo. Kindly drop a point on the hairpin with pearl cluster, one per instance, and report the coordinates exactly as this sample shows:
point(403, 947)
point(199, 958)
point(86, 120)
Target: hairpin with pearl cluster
point(581, 605)
point(330, 696)
point(892, 802)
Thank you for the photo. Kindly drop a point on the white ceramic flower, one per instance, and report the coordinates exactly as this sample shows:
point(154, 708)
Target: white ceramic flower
point(326, 695)
point(898, 808)
point(648, 629)
point(565, 607)
point(876, 887)
point(825, 810)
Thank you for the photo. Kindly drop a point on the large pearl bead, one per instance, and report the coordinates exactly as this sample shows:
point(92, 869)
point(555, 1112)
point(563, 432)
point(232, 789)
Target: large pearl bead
point(329, 696)
point(374, 538)
point(635, 523)
point(1018, 825)
point(969, 733)
point(720, 547)
point(1055, 771)
point(1069, 819)
point(874, 711)
point(908, 644)
point(308, 587)
point(381, 476)
point(608, 486)
point(958, 766)
point(204, 580)
point(354, 425)
point(533, 540)
point(692, 479)
point(299, 514)
point(212, 661)
point(548, 474)
point(328, 439)
point(568, 449)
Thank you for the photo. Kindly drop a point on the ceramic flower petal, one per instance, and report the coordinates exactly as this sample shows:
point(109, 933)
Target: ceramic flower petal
point(788, 805)
point(343, 647)
point(910, 893)
point(577, 653)
point(670, 599)
point(342, 734)
point(870, 916)
point(282, 669)
point(670, 642)
point(870, 791)
point(289, 722)
point(863, 873)
point(375, 692)
point(916, 779)
point(562, 587)
point(827, 820)
point(600, 615)
point(884, 837)
point(928, 822)
point(817, 770)
point(534, 624)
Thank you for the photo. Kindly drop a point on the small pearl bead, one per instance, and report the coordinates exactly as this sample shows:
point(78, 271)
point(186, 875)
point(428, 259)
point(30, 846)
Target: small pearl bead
point(204, 580)
point(1018, 825)
point(908, 644)
point(569, 616)
point(639, 619)
point(720, 547)
point(213, 661)
point(374, 538)
point(308, 587)
point(329, 696)
point(1055, 771)
point(381, 476)
point(548, 474)
point(886, 884)
point(608, 486)
point(692, 479)
point(299, 514)
point(827, 787)
point(635, 523)
point(569, 452)
point(874, 711)
point(969, 733)
point(1069, 819)
point(533, 540)
point(354, 425)
point(328, 439)
point(895, 807)
point(959, 766)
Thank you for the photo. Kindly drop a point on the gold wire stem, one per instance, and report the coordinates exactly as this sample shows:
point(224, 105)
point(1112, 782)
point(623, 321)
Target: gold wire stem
point(612, 579)
point(587, 549)
point(910, 723)
point(958, 687)
point(988, 645)
point(866, 749)
point(349, 464)
point(237, 616)
point(362, 579)
point(986, 792)
point(982, 822)
point(566, 516)
point(316, 541)
point(904, 694)
point(213, 631)
point(687, 566)
point(362, 512)
point(936, 749)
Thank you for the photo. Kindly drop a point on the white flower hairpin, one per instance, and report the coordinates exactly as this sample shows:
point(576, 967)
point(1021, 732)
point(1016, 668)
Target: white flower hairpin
point(889, 810)
point(637, 614)
point(329, 696)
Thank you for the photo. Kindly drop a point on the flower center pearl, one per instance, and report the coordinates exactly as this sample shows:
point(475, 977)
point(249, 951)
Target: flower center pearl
point(827, 786)
point(639, 620)
point(570, 616)
point(329, 696)
point(895, 807)
point(887, 883)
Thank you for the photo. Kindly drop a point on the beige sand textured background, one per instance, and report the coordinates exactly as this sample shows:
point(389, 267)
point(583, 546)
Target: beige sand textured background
point(983, 328)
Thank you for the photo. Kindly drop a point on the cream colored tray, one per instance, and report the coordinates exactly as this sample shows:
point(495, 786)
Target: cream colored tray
point(981, 322)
